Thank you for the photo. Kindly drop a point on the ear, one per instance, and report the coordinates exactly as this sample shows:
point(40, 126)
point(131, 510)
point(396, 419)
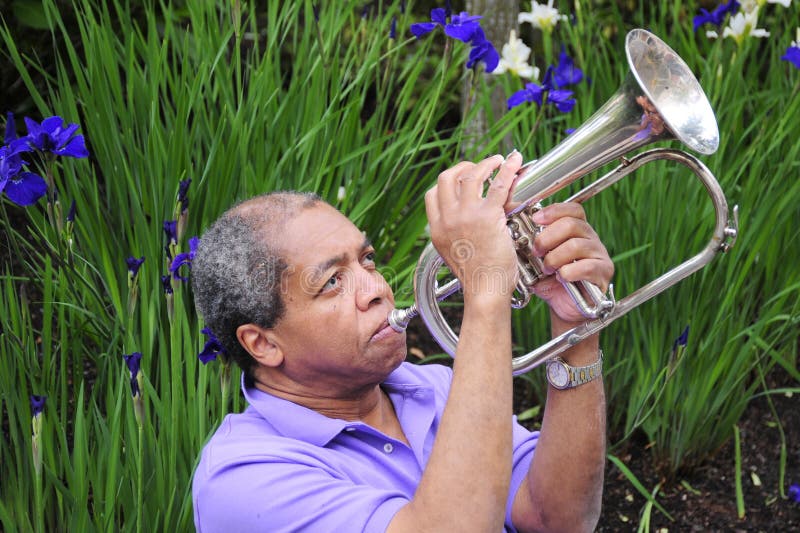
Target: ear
point(261, 344)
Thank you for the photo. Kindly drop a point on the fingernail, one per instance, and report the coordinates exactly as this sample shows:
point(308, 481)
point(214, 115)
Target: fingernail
point(538, 217)
point(512, 153)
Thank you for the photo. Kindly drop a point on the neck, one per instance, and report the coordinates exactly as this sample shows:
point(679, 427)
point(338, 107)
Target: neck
point(370, 405)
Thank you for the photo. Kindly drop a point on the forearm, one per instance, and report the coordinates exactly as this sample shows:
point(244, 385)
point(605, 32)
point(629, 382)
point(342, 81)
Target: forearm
point(565, 482)
point(465, 483)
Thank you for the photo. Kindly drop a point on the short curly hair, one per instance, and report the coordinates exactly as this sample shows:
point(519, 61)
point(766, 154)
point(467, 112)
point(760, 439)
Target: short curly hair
point(237, 269)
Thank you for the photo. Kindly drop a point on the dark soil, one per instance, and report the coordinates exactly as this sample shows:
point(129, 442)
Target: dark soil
point(705, 499)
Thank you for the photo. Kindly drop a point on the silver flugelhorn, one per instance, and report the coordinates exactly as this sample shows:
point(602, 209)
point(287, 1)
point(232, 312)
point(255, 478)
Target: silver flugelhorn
point(660, 99)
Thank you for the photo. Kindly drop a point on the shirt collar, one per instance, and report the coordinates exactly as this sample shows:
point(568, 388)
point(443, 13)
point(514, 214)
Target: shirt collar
point(298, 422)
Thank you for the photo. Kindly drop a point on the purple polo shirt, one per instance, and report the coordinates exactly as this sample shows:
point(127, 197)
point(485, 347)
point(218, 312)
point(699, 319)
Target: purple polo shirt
point(279, 466)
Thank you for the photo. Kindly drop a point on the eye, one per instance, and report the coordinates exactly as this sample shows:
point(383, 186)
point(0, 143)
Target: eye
point(369, 258)
point(333, 283)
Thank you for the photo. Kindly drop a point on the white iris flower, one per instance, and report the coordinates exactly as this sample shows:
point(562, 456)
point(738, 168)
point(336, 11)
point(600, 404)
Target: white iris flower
point(544, 17)
point(514, 59)
point(743, 25)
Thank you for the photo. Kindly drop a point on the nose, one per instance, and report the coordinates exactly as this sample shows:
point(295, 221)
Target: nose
point(371, 288)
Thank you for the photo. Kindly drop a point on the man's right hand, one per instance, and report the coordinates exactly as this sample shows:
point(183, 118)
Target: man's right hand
point(469, 229)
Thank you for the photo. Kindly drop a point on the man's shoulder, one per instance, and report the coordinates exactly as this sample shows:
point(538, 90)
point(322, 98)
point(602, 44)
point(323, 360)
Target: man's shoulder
point(248, 437)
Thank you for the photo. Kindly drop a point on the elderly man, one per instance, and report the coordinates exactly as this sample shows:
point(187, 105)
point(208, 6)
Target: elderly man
point(340, 433)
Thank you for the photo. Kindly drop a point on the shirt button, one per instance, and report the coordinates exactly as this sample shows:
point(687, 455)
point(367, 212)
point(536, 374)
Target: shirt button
point(388, 448)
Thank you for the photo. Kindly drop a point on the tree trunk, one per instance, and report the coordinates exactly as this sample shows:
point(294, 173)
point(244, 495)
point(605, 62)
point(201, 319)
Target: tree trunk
point(499, 18)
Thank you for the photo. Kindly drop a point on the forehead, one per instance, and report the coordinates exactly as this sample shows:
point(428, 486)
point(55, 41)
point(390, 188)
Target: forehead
point(317, 234)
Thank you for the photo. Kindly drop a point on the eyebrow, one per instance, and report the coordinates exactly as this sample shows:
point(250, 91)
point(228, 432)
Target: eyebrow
point(321, 268)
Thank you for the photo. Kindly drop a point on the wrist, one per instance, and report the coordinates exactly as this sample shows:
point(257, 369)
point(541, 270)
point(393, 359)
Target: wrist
point(582, 353)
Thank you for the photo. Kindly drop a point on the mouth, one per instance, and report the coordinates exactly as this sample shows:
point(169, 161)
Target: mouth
point(383, 331)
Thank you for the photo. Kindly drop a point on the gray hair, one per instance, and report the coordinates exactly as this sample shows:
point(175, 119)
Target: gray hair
point(237, 269)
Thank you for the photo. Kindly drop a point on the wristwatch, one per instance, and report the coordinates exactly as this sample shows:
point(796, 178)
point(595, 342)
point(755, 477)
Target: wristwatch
point(564, 376)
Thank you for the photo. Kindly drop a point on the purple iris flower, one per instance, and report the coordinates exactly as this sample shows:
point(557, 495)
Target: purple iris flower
point(184, 259)
point(71, 213)
point(544, 93)
point(566, 73)
point(794, 492)
point(561, 100)
point(133, 265)
point(438, 18)
point(212, 348)
point(55, 136)
point(792, 55)
point(171, 231)
point(482, 50)
point(37, 404)
point(21, 187)
point(682, 340)
point(133, 361)
point(166, 284)
point(463, 26)
point(531, 93)
point(716, 17)
point(183, 189)
point(393, 29)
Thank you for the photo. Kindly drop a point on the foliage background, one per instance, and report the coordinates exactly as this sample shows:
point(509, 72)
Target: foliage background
point(267, 97)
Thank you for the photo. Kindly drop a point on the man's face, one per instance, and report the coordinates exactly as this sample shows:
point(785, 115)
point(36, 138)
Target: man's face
point(334, 332)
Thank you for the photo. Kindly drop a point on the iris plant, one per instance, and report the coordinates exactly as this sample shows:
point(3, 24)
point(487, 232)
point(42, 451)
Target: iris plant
point(171, 232)
point(717, 16)
point(166, 284)
point(514, 59)
point(794, 493)
point(463, 27)
point(544, 17)
point(182, 208)
point(547, 92)
point(53, 136)
point(678, 348)
point(133, 360)
point(792, 54)
point(743, 25)
point(37, 408)
point(566, 73)
point(184, 259)
point(211, 349)
point(133, 266)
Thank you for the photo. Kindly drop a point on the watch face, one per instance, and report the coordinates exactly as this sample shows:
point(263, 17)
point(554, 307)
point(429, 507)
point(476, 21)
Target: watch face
point(557, 374)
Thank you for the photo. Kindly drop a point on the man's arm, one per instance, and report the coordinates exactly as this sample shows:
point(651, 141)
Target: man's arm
point(465, 483)
point(563, 487)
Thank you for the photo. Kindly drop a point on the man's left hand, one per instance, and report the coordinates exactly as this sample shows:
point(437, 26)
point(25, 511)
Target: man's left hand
point(571, 251)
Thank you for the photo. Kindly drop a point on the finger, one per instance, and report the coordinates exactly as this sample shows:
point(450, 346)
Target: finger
point(510, 204)
point(560, 231)
point(472, 181)
point(500, 188)
point(449, 183)
point(549, 214)
point(596, 271)
point(571, 251)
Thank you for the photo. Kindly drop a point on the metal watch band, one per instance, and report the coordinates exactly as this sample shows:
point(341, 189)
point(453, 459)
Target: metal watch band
point(578, 375)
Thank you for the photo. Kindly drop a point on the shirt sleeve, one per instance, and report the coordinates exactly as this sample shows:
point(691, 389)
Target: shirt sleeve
point(524, 446)
point(282, 496)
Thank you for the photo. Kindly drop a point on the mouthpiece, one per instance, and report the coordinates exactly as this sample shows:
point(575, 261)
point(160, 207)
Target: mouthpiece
point(399, 318)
